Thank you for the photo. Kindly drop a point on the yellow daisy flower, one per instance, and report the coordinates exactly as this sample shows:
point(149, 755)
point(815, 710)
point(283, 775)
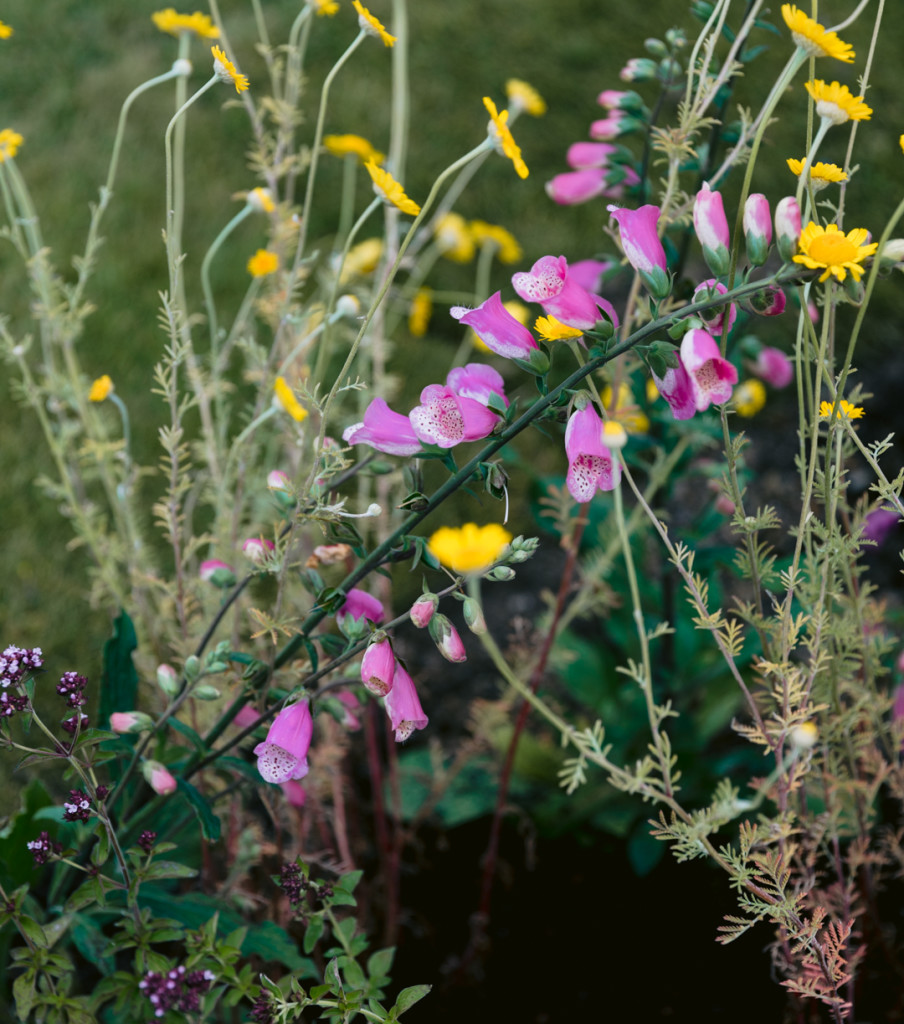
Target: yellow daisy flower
point(833, 250)
point(809, 35)
point(225, 70)
point(836, 103)
point(390, 190)
point(324, 7)
point(362, 258)
point(492, 234)
point(263, 263)
point(523, 96)
point(419, 314)
point(10, 142)
point(846, 409)
point(502, 137)
point(5, 30)
point(101, 389)
point(821, 174)
point(261, 200)
point(371, 25)
point(454, 238)
point(749, 397)
point(352, 145)
point(169, 21)
point(551, 329)
point(286, 398)
point(469, 548)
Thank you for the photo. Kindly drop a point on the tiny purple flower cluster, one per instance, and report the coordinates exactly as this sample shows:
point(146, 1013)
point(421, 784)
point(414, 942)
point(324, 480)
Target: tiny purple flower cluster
point(262, 1009)
point(72, 687)
point(296, 887)
point(43, 848)
point(15, 664)
point(178, 989)
point(146, 840)
point(77, 807)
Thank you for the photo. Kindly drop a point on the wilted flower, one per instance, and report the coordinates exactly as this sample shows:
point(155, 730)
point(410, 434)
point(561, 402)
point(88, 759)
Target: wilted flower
point(715, 317)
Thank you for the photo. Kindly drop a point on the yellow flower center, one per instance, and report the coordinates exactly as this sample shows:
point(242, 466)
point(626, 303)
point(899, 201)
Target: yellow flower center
point(833, 249)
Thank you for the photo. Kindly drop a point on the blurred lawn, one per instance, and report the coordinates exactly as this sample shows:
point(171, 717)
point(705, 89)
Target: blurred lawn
point(65, 72)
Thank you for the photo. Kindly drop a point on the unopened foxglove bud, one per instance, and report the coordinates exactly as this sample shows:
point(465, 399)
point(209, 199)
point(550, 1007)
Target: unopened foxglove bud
point(206, 692)
point(712, 229)
point(787, 227)
point(474, 616)
point(158, 778)
point(192, 667)
point(167, 680)
point(130, 722)
point(757, 228)
point(501, 574)
point(257, 550)
point(446, 638)
point(218, 573)
point(423, 608)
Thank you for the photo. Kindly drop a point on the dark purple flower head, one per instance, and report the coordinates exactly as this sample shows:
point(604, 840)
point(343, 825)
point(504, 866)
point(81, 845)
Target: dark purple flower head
point(15, 662)
point(262, 1010)
point(146, 840)
point(72, 687)
point(43, 848)
point(77, 723)
point(10, 703)
point(77, 807)
point(177, 989)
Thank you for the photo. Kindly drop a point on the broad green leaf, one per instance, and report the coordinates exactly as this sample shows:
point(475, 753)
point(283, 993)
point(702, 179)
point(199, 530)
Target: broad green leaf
point(210, 823)
point(408, 997)
point(119, 682)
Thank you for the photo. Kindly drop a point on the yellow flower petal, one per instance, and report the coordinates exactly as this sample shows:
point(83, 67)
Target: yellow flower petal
point(286, 398)
point(525, 97)
point(390, 190)
point(470, 547)
point(371, 25)
point(169, 21)
point(10, 142)
point(225, 70)
point(837, 253)
point(5, 30)
point(845, 409)
point(502, 136)
point(352, 145)
point(551, 329)
point(262, 263)
point(749, 397)
point(101, 389)
point(836, 103)
point(809, 35)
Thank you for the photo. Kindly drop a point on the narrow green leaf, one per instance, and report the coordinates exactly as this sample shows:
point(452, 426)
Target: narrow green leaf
point(119, 683)
point(210, 823)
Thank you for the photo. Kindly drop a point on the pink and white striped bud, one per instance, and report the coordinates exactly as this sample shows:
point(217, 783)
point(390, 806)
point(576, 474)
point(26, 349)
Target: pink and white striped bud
point(278, 481)
point(158, 778)
point(774, 367)
point(757, 228)
point(446, 638)
point(712, 229)
point(378, 666)
point(168, 680)
point(619, 99)
point(787, 227)
point(422, 610)
point(640, 239)
point(257, 550)
point(130, 722)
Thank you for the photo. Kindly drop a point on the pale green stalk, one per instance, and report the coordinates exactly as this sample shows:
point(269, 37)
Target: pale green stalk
point(205, 274)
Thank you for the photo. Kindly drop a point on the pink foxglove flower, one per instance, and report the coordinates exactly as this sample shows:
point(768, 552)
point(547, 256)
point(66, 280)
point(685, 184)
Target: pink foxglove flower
point(589, 273)
point(548, 283)
point(497, 328)
point(711, 376)
point(675, 388)
point(642, 245)
point(582, 155)
point(877, 527)
point(422, 610)
point(246, 717)
point(757, 228)
point(714, 318)
point(378, 666)
point(787, 227)
point(574, 187)
point(774, 367)
point(615, 124)
point(446, 638)
point(383, 429)
point(591, 465)
point(294, 793)
point(352, 707)
point(403, 707)
point(477, 381)
point(446, 419)
point(283, 755)
point(130, 721)
point(639, 69)
point(158, 778)
point(361, 605)
point(712, 229)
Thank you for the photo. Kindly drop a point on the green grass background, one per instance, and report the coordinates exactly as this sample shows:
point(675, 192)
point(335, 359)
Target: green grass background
point(65, 72)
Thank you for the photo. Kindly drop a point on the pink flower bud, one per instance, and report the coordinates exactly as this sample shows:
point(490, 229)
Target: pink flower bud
point(246, 717)
point(712, 229)
point(294, 793)
point(352, 706)
point(787, 227)
point(361, 605)
point(168, 680)
point(278, 481)
point(573, 187)
point(769, 301)
point(757, 228)
point(422, 610)
point(158, 778)
point(378, 667)
point(257, 550)
point(774, 367)
point(640, 240)
point(220, 574)
point(446, 638)
point(617, 99)
point(130, 721)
